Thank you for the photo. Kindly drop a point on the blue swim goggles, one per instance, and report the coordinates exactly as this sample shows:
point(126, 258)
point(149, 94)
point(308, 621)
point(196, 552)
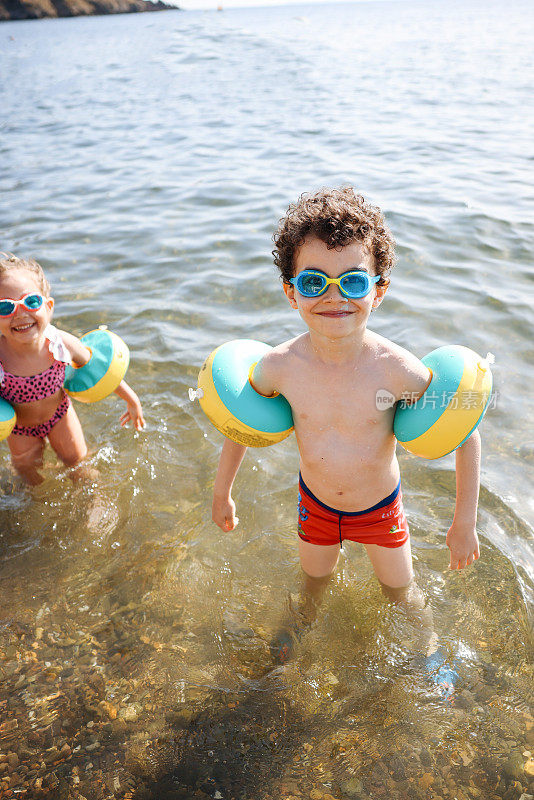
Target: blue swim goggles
point(354, 283)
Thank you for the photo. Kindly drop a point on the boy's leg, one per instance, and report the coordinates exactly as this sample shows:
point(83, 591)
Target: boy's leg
point(317, 562)
point(27, 457)
point(394, 570)
point(392, 565)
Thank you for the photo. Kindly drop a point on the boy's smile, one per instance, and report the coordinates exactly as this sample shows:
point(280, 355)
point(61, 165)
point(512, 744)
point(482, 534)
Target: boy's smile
point(331, 313)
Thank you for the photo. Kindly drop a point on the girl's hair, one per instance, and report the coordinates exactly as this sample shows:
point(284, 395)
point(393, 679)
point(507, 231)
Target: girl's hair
point(9, 262)
point(337, 217)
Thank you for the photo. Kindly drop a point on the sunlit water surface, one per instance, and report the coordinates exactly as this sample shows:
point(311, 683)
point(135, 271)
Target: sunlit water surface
point(145, 162)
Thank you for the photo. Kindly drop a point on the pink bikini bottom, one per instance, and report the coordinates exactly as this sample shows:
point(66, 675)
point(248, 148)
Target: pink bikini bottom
point(44, 428)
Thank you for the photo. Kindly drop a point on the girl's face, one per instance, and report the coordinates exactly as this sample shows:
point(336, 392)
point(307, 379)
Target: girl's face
point(24, 326)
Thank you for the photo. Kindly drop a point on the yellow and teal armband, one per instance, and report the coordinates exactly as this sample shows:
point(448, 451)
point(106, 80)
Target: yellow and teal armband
point(232, 404)
point(8, 419)
point(452, 406)
point(103, 372)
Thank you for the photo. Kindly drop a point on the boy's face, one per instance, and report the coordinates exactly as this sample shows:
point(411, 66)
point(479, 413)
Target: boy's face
point(332, 314)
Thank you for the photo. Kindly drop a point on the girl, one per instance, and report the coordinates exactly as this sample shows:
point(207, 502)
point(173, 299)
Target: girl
point(33, 355)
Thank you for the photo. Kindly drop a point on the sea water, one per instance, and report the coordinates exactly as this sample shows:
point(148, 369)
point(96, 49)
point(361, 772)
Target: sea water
point(146, 160)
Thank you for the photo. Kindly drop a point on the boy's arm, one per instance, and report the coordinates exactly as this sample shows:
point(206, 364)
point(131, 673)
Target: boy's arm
point(263, 377)
point(134, 411)
point(223, 507)
point(412, 377)
point(462, 538)
point(264, 381)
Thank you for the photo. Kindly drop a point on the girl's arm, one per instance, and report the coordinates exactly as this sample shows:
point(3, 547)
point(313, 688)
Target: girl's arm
point(223, 507)
point(79, 353)
point(462, 538)
point(134, 411)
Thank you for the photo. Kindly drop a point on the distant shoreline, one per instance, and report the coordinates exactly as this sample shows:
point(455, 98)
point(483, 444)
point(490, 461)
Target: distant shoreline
point(41, 9)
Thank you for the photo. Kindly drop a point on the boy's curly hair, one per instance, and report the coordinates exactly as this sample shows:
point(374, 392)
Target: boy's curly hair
point(9, 262)
point(337, 217)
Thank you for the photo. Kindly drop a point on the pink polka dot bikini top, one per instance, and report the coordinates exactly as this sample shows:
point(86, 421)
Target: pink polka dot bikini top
point(27, 388)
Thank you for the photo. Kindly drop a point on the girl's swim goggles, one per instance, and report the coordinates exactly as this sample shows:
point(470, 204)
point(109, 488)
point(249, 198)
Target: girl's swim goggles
point(353, 284)
point(32, 302)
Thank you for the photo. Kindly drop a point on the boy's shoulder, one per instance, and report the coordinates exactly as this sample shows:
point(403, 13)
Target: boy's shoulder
point(405, 371)
point(400, 371)
point(292, 354)
point(276, 364)
point(385, 348)
point(292, 347)
point(283, 354)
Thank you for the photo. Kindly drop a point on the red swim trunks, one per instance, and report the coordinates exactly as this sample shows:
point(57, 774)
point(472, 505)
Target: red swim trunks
point(383, 524)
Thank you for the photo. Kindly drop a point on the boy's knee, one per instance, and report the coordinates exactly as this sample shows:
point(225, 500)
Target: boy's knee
point(409, 594)
point(317, 574)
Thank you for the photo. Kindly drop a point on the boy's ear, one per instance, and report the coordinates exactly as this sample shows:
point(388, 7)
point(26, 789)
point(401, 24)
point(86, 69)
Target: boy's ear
point(289, 291)
point(380, 291)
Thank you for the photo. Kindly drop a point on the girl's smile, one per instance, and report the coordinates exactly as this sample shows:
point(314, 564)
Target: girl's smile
point(23, 327)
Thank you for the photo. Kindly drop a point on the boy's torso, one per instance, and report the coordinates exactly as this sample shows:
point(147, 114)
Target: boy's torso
point(346, 443)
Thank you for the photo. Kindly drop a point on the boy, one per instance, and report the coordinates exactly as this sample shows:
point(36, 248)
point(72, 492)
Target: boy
point(330, 375)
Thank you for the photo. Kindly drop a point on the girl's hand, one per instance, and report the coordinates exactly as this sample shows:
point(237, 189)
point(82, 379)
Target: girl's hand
point(462, 541)
point(223, 513)
point(134, 414)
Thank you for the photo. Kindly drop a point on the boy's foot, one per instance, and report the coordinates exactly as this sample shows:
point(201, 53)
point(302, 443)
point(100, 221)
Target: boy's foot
point(282, 646)
point(440, 668)
point(300, 616)
point(285, 640)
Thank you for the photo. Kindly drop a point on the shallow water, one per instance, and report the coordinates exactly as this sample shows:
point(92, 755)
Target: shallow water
point(146, 160)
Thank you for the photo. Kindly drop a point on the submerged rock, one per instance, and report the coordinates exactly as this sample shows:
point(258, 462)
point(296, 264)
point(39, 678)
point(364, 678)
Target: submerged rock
point(513, 766)
point(352, 787)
